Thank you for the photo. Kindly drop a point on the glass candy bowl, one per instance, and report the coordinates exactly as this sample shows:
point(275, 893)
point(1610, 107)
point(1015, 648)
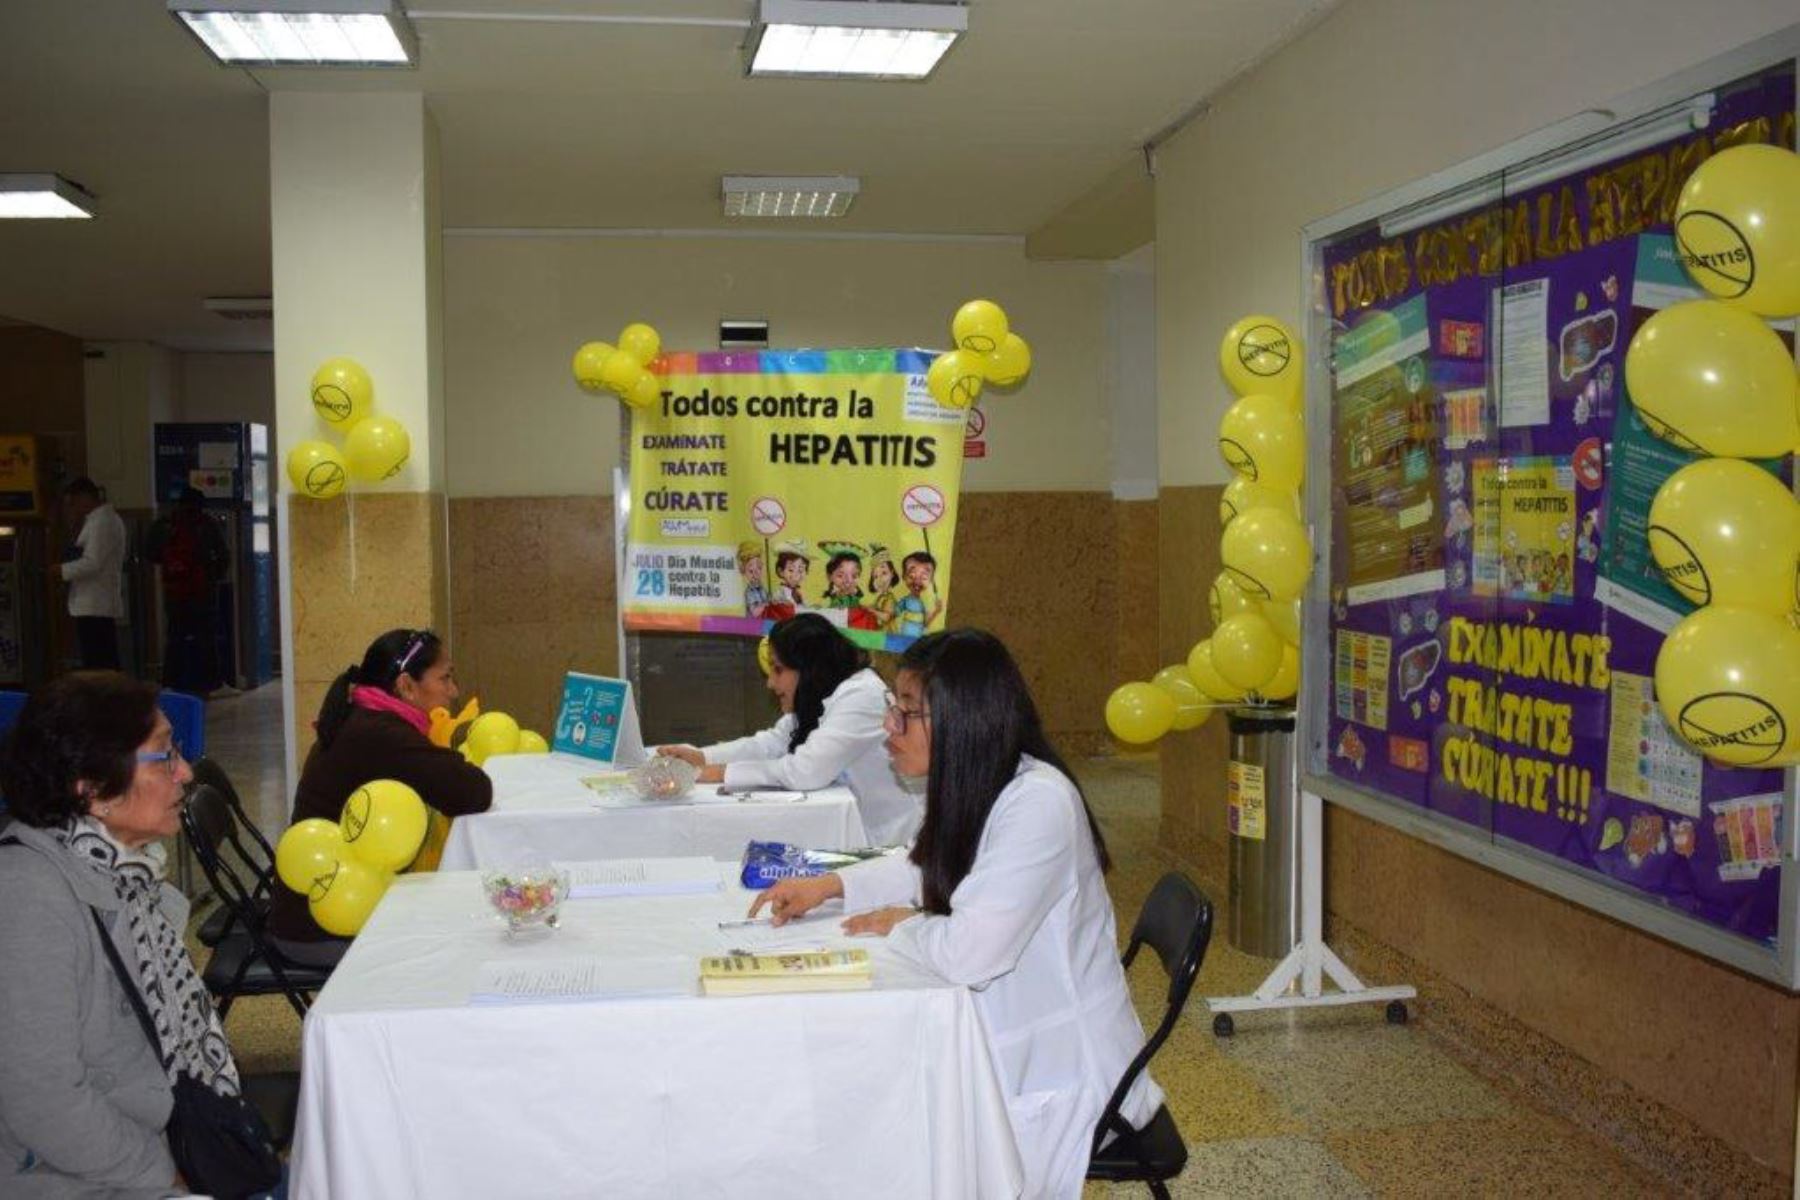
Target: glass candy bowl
point(528, 898)
point(662, 778)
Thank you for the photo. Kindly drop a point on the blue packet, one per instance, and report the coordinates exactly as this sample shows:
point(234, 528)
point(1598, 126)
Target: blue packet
point(766, 863)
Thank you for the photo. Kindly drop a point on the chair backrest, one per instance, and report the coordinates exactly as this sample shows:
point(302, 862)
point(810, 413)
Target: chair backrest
point(1176, 922)
point(187, 720)
point(219, 845)
point(207, 771)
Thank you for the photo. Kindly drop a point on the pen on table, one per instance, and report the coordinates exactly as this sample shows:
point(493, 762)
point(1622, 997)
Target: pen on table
point(745, 922)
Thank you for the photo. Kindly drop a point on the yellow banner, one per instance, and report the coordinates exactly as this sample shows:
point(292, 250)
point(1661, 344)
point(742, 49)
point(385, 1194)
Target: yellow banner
point(766, 483)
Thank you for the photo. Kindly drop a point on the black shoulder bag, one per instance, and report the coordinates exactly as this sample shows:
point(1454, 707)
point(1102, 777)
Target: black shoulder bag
point(220, 1144)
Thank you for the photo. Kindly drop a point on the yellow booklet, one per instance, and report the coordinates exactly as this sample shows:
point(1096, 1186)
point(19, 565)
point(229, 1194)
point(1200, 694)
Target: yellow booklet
point(756, 974)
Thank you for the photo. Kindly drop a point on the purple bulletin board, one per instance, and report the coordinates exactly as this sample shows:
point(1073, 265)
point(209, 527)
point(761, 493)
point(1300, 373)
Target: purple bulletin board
point(1485, 618)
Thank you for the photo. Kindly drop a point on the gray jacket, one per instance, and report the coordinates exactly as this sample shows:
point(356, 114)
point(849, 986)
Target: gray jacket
point(83, 1100)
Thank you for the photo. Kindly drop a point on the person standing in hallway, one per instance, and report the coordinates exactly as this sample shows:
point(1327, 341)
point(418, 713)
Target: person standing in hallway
point(191, 551)
point(94, 570)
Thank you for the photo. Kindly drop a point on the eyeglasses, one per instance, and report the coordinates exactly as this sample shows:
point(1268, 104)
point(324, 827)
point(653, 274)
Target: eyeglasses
point(170, 758)
point(897, 717)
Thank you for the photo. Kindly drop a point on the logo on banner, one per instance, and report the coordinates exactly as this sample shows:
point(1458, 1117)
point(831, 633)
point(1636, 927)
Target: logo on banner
point(973, 428)
point(922, 504)
point(768, 516)
point(1589, 464)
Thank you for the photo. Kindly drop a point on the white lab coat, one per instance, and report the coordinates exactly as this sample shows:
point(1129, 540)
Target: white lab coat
point(96, 587)
point(848, 744)
point(1031, 932)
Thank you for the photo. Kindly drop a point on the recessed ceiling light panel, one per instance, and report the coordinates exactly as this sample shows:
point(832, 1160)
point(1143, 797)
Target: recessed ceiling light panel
point(789, 195)
point(853, 39)
point(301, 33)
point(43, 195)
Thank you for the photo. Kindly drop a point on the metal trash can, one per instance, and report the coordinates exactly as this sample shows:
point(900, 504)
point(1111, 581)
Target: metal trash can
point(1263, 814)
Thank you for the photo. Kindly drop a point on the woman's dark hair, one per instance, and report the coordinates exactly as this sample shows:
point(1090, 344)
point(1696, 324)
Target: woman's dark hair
point(823, 657)
point(85, 727)
point(396, 652)
point(982, 721)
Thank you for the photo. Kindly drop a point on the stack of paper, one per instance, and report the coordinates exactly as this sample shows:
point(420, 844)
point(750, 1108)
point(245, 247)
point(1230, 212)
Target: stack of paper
point(569, 980)
point(755, 974)
point(641, 877)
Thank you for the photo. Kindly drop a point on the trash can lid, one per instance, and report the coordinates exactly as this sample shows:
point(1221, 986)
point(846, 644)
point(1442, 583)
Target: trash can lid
point(1261, 720)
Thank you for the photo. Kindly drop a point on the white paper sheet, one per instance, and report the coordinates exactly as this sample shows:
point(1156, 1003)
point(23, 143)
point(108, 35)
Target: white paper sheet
point(1522, 315)
point(563, 981)
point(641, 877)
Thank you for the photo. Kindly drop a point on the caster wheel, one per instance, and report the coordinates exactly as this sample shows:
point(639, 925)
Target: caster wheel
point(1223, 1026)
point(1396, 1012)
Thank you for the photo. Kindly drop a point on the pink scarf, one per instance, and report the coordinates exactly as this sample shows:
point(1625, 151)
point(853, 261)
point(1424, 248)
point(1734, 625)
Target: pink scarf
point(376, 700)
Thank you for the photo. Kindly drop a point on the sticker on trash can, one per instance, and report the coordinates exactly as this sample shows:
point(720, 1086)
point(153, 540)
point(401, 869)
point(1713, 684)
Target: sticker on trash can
point(1245, 802)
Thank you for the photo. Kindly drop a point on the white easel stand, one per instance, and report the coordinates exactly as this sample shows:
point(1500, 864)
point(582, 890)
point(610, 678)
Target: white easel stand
point(1312, 959)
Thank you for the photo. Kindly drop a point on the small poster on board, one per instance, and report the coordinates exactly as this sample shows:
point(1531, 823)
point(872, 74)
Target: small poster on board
point(597, 719)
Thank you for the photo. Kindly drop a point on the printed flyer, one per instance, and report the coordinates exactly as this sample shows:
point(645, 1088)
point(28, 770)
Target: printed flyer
point(766, 483)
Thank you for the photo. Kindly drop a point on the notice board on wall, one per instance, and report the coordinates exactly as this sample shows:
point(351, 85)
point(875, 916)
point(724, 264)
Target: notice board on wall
point(1485, 619)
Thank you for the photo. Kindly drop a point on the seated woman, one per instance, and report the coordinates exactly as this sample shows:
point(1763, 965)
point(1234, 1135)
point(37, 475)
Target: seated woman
point(373, 725)
point(94, 781)
point(1006, 877)
point(831, 728)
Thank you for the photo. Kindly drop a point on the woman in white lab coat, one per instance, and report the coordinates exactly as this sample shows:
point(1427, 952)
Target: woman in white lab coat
point(831, 731)
point(1003, 892)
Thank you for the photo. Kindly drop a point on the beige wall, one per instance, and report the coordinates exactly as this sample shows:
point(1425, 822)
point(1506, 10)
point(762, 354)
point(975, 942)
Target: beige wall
point(1440, 81)
point(225, 387)
point(516, 308)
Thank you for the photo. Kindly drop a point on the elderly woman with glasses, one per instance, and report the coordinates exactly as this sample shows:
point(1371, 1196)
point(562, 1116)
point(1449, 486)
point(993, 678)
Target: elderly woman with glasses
point(830, 731)
point(374, 724)
point(94, 781)
point(1002, 891)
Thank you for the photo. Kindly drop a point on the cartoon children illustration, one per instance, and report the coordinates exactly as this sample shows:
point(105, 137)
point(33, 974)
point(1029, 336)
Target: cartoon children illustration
point(750, 566)
point(843, 574)
point(882, 581)
point(1587, 542)
point(791, 566)
point(911, 616)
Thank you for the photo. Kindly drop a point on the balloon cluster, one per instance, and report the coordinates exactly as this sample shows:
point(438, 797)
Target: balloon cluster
point(1711, 377)
point(488, 733)
point(987, 352)
point(375, 447)
point(343, 867)
point(1253, 654)
point(623, 370)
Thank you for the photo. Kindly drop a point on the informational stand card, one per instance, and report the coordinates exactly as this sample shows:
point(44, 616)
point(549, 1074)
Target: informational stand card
point(571, 980)
point(598, 719)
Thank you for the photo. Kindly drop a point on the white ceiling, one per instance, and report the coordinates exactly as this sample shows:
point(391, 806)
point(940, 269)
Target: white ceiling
point(560, 123)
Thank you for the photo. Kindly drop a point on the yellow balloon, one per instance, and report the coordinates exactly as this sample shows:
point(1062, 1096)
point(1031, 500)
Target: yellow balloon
point(377, 448)
point(1284, 615)
point(491, 733)
point(620, 373)
point(1737, 228)
point(763, 652)
point(316, 469)
point(1728, 682)
point(1247, 651)
point(1191, 704)
point(588, 361)
point(342, 901)
point(1206, 676)
point(1262, 439)
point(1287, 677)
point(342, 392)
point(1715, 380)
point(979, 325)
point(1008, 366)
point(1266, 551)
point(308, 850)
point(1726, 532)
point(1261, 354)
point(1225, 599)
point(954, 378)
point(1139, 713)
point(1242, 495)
point(531, 742)
point(645, 391)
point(384, 824)
point(641, 342)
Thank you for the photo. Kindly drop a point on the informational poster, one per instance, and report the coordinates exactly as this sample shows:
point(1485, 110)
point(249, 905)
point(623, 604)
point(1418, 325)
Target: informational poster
point(19, 495)
point(597, 720)
point(775, 482)
point(1246, 801)
point(1478, 377)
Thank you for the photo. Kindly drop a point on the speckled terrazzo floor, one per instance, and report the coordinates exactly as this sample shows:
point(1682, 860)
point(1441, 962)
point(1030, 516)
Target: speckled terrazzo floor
point(1322, 1103)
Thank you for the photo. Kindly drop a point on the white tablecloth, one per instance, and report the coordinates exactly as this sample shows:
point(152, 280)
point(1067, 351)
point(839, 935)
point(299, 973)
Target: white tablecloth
point(407, 1091)
point(543, 812)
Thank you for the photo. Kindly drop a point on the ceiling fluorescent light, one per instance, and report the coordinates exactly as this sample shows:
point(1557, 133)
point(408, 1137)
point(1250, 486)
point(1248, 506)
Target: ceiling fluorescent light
point(43, 195)
point(853, 39)
point(789, 195)
point(240, 308)
point(1629, 138)
point(301, 33)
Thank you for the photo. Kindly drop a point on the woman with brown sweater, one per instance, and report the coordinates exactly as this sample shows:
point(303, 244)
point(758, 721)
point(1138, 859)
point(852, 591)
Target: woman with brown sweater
point(373, 725)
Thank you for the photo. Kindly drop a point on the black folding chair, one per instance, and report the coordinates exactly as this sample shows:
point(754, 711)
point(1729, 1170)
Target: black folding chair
point(1176, 922)
point(222, 920)
point(245, 962)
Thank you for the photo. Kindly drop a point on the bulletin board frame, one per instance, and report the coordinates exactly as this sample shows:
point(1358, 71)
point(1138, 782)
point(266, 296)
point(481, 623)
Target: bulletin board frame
point(1620, 126)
